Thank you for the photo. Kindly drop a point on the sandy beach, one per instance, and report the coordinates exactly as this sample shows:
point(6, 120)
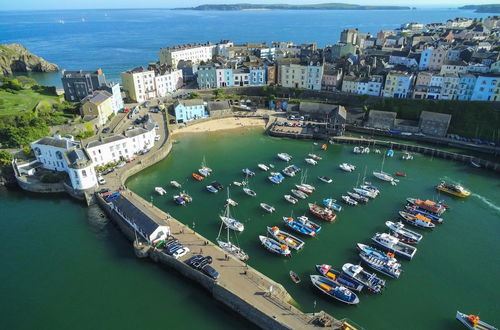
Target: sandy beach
point(221, 124)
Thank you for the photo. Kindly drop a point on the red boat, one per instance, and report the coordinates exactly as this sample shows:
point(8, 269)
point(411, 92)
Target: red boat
point(322, 213)
point(400, 174)
point(198, 177)
point(324, 147)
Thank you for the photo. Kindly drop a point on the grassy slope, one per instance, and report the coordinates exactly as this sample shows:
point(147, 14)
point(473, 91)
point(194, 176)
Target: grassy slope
point(22, 102)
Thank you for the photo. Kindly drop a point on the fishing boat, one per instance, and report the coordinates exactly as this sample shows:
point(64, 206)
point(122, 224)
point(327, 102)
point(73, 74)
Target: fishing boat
point(429, 206)
point(349, 201)
point(392, 244)
point(384, 263)
point(299, 194)
point(405, 235)
point(412, 209)
point(417, 220)
point(267, 207)
point(285, 238)
point(276, 177)
point(291, 199)
point(212, 189)
point(216, 185)
point(473, 322)
point(248, 172)
point(160, 191)
point(407, 156)
point(315, 157)
point(175, 184)
point(203, 172)
point(230, 222)
point(334, 290)
point(231, 202)
point(311, 161)
point(324, 146)
point(302, 226)
point(304, 189)
point(385, 177)
point(263, 167)
point(274, 246)
point(366, 193)
point(322, 213)
point(337, 276)
point(228, 246)
point(179, 200)
point(284, 156)
point(325, 179)
point(295, 278)
point(331, 204)
point(367, 186)
point(198, 177)
point(186, 197)
point(347, 167)
point(453, 189)
point(361, 276)
point(358, 198)
point(249, 192)
point(402, 174)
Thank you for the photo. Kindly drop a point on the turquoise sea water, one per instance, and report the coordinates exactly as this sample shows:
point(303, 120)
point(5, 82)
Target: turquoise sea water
point(121, 39)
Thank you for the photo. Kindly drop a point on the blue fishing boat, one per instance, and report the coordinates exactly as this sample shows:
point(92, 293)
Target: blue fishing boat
point(274, 246)
point(276, 177)
point(335, 275)
point(179, 200)
point(248, 172)
point(334, 290)
point(379, 261)
point(303, 226)
point(331, 204)
point(415, 210)
point(359, 275)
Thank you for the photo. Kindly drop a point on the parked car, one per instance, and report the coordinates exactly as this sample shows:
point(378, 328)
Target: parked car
point(157, 126)
point(209, 271)
point(193, 259)
point(180, 252)
point(171, 241)
point(105, 130)
point(126, 110)
point(121, 164)
point(103, 191)
point(101, 180)
point(130, 160)
point(174, 247)
point(202, 262)
point(144, 151)
point(109, 170)
point(157, 138)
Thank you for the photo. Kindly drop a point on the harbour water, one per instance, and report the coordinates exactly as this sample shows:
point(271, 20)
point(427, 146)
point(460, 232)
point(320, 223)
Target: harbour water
point(118, 40)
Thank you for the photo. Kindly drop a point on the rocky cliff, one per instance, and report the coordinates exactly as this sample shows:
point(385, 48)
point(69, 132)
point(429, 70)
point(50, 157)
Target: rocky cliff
point(16, 58)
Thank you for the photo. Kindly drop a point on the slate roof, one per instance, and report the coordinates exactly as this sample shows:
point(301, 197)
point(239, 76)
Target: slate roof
point(135, 215)
point(50, 141)
point(218, 105)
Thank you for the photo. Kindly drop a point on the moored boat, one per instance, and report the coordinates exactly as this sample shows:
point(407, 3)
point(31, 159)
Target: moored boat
point(473, 322)
point(232, 223)
point(417, 220)
point(325, 179)
point(405, 235)
point(412, 209)
point(286, 238)
point(392, 244)
point(175, 184)
point(331, 204)
point(203, 172)
point(217, 185)
point(334, 290)
point(324, 146)
point(237, 183)
point(453, 189)
point(311, 161)
point(160, 191)
point(186, 197)
point(231, 248)
point(263, 167)
point(249, 192)
point(299, 194)
point(322, 213)
point(267, 207)
point(367, 186)
point(432, 207)
point(402, 174)
point(291, 199)
point(212, 189)
point(361, 276)
point(276, 177)
point(385, 177)
point(284, 156)
point(197, 177)
point(357, 197)
point(302, 226)
point(335, 275)
point(179, 200)
point(231, 202)
point(304, 189)
point(384, 263)
point(315, 157)
point(295, 278)
point(274, 246)
point(349, 201)
point(347, 167)
point(365, 193)
point(248, 172)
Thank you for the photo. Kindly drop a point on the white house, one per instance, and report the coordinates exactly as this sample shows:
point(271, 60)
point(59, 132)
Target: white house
point(62, 154)
point(167, 80)
point(195, 53)
point(117, 100)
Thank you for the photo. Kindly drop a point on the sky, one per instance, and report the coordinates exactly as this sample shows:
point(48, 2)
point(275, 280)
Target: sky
point(97, 4)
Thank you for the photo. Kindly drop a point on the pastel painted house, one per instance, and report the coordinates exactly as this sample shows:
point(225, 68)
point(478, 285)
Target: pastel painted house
point(187, 110)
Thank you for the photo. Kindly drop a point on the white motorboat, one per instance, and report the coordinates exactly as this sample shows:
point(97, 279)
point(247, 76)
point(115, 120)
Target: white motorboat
point(349, 201)
point(311, 161)
point(263, 167)
point(304, 189)
point(356, 150)
point(315, 157)
point(236, 183)
point(175, 184)
point(291, 199)
point(299, 194)
point(284, 156)
point(407, 156)
point(393, 244)
point(160, 190)
point(399, 231)
point(325, 179)
point(347, 167)
point(231, 202)
point(249, 192)
point(267, 207)
point(366, 193)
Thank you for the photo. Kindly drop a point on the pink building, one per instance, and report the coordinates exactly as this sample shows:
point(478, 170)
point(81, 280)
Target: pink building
point(332, 79)
point(438, 58)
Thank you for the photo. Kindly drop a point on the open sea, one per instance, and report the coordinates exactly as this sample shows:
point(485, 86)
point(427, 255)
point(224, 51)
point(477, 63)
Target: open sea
point(65, 267)
point(118, 40)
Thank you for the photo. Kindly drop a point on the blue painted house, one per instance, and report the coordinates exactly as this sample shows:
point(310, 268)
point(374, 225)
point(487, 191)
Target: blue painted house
point(206, 76)
point(187, 110)
point(485, 87)
point(257, 76)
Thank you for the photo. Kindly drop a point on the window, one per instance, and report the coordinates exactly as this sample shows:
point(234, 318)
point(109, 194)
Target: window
point(84, 173)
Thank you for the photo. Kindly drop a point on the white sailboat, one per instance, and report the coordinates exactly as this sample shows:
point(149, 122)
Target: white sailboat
point(228, 246)
point(385, 176)
point(230, 222)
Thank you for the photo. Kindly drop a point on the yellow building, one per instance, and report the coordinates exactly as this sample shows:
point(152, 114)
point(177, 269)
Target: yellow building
point(100, 105)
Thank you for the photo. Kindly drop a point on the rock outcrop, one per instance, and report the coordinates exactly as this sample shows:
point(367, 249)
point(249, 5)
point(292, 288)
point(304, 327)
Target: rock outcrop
point(16, 58)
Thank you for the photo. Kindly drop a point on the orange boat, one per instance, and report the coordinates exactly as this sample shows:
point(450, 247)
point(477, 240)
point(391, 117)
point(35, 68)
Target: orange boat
point(198, 177)
point(324, 147)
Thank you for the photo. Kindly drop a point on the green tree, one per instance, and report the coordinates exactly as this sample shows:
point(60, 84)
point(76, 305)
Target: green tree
point(218, 92)
point(5, 157)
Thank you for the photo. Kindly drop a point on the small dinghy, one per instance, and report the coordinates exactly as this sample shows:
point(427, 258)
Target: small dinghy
point(315, 157)
point(311, 161)
point(175, 184)
point(284, 156)
point(334, 290)
point(212, 189)
point(291, 199)
point(179, 200)
point(186, 197)
point(402, 174)
point(274, 246)
point(325, 179)
point(263, 167)
point(248, 172)
point(295, 278)
point(249, 192)
point(231, 202)
point(267, 207)
point(331, 204)
point(286, 238)
point(198, 177)
point(347, 167)
point(160, 191)
point(236, 183)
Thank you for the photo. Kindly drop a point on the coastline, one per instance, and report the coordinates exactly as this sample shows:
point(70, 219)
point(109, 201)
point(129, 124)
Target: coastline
point(221, 124)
